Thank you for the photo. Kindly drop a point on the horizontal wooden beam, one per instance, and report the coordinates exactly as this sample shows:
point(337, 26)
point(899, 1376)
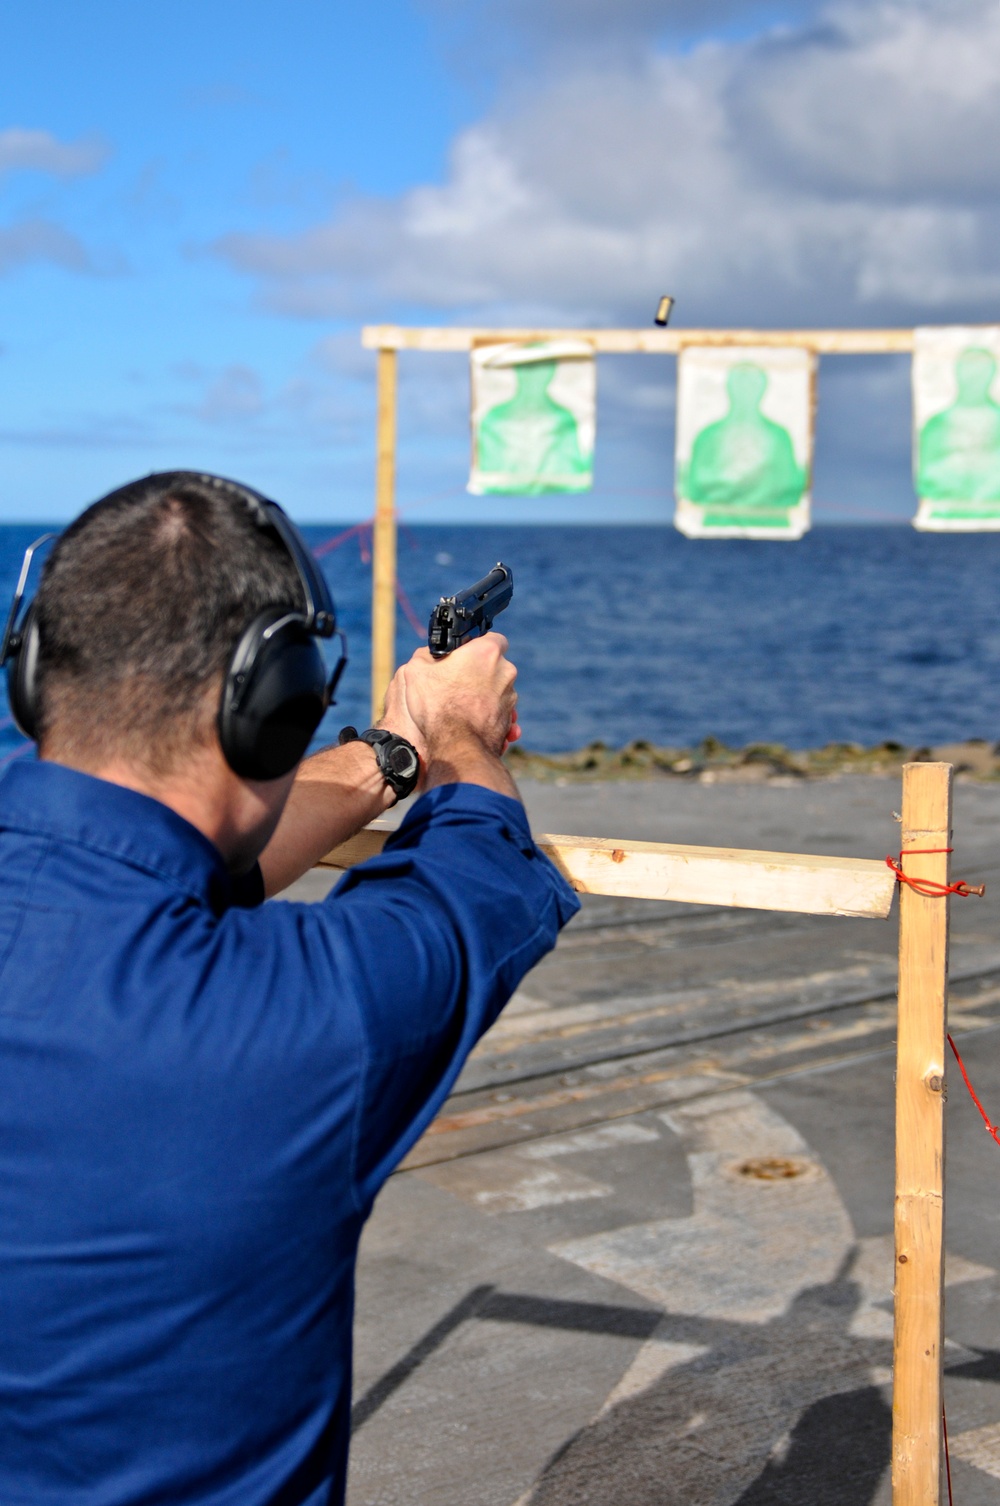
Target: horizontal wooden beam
point(796, 882)
point(654, 342)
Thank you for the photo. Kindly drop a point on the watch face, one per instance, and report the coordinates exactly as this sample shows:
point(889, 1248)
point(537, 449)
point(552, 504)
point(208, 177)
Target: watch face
point(401, 760)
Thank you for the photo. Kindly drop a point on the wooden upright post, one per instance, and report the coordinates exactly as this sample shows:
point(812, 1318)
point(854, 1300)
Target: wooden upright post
point(384, 535)
point(920, 1073)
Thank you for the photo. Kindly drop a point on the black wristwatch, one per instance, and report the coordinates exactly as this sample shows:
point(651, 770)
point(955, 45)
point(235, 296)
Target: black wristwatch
point(397, 759)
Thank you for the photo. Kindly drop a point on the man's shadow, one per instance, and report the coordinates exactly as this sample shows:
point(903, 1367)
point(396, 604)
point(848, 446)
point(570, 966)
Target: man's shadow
point(774, 1414)
point(836, 1455)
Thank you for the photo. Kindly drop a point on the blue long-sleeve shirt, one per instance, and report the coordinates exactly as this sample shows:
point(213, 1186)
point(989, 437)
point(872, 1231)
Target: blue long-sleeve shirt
point(198, 1104)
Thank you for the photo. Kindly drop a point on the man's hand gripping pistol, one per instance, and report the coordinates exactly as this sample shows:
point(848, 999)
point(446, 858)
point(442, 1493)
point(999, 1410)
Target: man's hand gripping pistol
point(469, 614)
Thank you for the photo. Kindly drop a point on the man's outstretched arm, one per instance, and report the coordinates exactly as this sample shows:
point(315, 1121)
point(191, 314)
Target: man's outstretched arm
point(459, 714)
point(336, 792)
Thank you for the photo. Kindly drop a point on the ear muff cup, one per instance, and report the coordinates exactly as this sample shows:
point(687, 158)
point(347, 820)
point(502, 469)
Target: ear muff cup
point(22, 676)
point(273, 698)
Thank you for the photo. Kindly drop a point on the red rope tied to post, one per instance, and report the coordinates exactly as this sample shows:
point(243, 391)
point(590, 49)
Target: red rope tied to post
point(930, 888)
point(947, 1454)
point(993, 1129)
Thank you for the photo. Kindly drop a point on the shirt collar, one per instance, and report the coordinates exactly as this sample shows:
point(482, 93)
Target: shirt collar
point(48, 799)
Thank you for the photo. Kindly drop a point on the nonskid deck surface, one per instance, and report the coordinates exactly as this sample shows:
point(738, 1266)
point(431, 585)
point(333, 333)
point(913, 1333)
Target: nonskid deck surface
point(644, 1254)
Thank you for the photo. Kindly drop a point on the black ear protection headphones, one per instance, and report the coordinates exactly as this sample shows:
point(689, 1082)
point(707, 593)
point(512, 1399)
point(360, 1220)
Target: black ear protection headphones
point(275, 689)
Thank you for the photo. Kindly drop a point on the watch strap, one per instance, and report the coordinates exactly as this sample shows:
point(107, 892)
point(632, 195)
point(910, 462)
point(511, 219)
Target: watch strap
point(398, 760)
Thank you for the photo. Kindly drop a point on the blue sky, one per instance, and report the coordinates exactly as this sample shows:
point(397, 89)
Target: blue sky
point(200, 205)
point(133, 347)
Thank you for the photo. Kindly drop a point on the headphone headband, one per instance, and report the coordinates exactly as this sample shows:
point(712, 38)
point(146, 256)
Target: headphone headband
point(9, 642)
point(271, 518)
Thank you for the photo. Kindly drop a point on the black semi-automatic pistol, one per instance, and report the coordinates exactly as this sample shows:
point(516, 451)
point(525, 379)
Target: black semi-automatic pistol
point(469, 614)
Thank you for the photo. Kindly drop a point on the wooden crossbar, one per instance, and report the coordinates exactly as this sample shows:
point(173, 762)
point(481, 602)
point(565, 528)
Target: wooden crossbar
point(389, 339)
point(653, 342)
point(796, 882)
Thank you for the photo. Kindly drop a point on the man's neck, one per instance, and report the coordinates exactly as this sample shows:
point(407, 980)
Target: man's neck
point(237, 815)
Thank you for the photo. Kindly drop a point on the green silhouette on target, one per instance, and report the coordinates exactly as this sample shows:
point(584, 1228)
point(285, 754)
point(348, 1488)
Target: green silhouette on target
point(744, 460)
point(531, 441)
point(958, 454)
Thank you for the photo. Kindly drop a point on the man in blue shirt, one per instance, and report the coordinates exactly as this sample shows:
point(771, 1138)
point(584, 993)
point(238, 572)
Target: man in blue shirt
point(200, 1097)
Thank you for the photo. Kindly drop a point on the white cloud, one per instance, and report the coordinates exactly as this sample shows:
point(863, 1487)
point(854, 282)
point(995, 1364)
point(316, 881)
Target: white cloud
point(41, 152)
point(842, 169)
point(38, 240)
point(222, 95)
point(235, 394)
point(517, 34)
point(35, 239)
point(490, 192)
point(894, 100)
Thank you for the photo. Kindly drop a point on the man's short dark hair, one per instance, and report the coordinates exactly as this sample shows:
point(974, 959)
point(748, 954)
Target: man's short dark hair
point(140, 606)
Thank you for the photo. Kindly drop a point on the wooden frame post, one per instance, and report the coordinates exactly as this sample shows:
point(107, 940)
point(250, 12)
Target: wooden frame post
point(920, 1141)
point(384, 534)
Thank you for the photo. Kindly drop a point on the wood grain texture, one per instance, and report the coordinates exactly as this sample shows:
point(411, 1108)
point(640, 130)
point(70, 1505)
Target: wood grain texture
point(920, 1141)
point(384, 534)
point(644, 341)
point(795, 882)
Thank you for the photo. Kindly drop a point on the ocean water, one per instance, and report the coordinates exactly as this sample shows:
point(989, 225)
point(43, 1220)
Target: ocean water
point(855, 634)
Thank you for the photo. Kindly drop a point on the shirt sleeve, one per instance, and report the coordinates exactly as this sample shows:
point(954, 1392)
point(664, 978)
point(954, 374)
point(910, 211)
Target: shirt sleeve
point(438, 931)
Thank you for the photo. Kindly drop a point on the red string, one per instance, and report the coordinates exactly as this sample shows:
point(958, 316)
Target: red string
point(362, 531)
point(994, 1131)
point(948, 1458)
point(930, 888)
point(411, 615)
point(328, 545)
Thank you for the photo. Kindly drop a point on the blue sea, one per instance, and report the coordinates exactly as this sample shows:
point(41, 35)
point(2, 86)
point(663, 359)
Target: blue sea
point(856, 634)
